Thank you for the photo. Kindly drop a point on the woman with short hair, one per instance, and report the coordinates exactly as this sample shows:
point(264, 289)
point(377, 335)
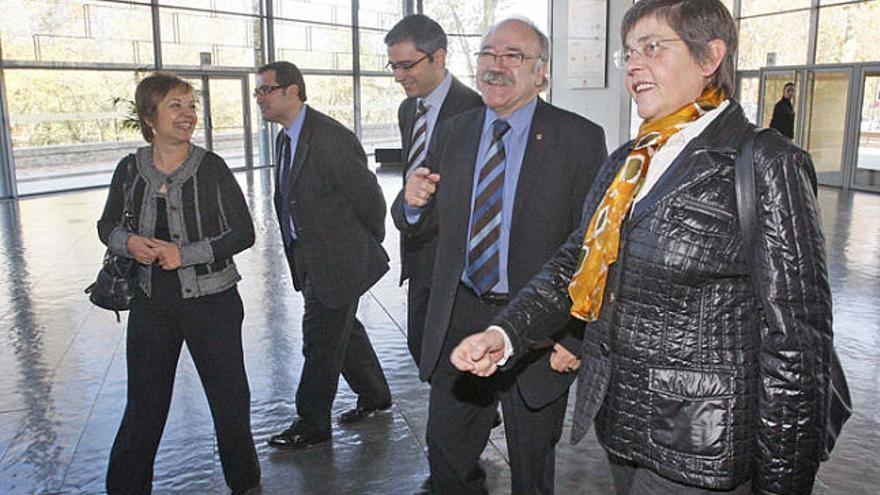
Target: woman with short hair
point(191, 218)
point(705, 363)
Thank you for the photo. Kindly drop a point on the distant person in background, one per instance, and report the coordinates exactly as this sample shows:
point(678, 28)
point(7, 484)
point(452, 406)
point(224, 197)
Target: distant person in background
point(783, 112)
point(417, 57)
point(191, 219)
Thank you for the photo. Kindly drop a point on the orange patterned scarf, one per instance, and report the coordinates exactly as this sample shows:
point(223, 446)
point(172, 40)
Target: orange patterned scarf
point(602, 240)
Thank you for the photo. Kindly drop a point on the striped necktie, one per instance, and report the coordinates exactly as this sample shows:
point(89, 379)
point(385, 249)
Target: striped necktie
point(484, 249)
point(419, 143)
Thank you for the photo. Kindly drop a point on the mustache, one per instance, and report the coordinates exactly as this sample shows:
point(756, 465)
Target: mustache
point(496, 77)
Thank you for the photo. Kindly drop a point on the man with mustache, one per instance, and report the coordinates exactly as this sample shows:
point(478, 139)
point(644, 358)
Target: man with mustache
point(494, 180)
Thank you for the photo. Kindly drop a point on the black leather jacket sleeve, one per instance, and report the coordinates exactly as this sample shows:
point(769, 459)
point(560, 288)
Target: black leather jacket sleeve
point(793, 290)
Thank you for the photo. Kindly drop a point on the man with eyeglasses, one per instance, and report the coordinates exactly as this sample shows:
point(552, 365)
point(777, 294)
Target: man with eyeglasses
point(503, 185)
point(417, 57)
point(332, 217)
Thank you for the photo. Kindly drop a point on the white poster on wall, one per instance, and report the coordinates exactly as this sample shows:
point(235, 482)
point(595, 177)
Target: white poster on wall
point(587, 43)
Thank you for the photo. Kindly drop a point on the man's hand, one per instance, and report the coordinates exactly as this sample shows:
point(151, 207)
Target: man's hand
point(167, 254)
point(479, 353)
point(563, 361)
point(142, 249)
point(420, 187)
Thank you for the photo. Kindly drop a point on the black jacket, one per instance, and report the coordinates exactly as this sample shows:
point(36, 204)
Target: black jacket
point(338, 210)
point(783, 118)
point(207, 215)
point(563, 155)
point(688, 372)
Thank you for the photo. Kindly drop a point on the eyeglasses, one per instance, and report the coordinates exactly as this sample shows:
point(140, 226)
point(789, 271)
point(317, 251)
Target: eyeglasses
point(404, 66)
point(510, 60)
point(265, 90)
point(647, 50)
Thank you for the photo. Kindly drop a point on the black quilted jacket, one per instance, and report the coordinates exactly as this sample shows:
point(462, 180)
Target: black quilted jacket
point(690, 372)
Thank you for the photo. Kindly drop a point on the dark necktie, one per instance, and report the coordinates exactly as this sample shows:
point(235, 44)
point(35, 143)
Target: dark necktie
point(283, 183)
point(484, 256)
point(419, 143)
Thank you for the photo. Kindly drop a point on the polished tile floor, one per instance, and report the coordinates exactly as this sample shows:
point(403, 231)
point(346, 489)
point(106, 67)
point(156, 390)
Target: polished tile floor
point(62, 369)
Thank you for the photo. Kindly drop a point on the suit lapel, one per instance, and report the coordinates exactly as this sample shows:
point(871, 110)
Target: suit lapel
point(302, 148)
point(409, 111)
point(461, 179)
point(537, 149)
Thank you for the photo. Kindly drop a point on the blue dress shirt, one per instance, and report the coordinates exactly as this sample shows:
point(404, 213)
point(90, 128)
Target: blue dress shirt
point(515, 142)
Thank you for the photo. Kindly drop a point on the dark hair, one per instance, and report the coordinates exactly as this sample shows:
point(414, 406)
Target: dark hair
point(150, 92)
point(696, 22)
point(424, 32)
point(788, 85)
point(286, 74)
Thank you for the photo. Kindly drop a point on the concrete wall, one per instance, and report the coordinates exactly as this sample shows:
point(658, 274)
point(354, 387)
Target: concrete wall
point(609, 106)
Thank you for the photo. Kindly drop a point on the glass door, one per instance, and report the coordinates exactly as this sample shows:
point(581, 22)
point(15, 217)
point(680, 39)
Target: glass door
point(824, 121)
point(772, 94)
point(867, 167)
point(225, 117)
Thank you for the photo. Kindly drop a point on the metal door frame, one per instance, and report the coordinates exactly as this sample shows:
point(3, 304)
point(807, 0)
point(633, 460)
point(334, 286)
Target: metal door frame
point(205, 77)
point(854, 121)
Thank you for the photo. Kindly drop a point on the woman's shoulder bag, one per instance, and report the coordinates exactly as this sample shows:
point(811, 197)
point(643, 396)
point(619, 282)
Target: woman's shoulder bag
point(114, 287)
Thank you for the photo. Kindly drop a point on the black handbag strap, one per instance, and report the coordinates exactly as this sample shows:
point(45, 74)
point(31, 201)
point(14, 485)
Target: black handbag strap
point(128, 217)
point(745, 191)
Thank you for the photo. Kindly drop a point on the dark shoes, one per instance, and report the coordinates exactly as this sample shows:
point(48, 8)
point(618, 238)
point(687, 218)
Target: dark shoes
point(427, 487)
point(295, 438)
point(254, 490)
point(358, 413)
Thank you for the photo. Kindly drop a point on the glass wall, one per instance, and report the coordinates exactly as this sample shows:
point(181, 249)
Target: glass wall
point(868, 157)
point(825, 123)
point(827, 43)
point(465, 22)
point(70, 68)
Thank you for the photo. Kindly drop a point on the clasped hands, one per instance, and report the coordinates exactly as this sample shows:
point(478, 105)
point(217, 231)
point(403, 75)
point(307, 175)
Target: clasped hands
point(149, 250)
point(480, 353)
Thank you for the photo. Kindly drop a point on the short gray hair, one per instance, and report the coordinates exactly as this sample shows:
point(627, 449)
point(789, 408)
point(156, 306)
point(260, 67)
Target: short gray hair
point(543, 43)
point(696, 22)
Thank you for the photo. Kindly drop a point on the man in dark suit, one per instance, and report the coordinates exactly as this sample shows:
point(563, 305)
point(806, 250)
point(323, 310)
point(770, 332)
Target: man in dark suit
point(331, 212)
point(417, 56)
point(493, 185)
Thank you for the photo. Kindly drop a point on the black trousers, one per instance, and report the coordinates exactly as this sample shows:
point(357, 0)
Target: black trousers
point(157, 328)
point(462, 410)
point(632, 479)
point(335, 342)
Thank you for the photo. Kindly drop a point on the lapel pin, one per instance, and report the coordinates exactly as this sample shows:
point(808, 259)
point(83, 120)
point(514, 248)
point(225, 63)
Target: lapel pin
point(539, 136)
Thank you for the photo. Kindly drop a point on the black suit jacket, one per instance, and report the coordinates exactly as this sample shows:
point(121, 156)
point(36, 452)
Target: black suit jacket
point(338, 211)
point(417, 251)
point(561, 160)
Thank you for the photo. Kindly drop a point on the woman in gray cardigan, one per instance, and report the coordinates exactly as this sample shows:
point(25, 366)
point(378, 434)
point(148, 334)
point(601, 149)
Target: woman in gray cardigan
point(191, 219)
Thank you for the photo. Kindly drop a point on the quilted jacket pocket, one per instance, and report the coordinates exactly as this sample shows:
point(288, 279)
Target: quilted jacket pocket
point(690, 410)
